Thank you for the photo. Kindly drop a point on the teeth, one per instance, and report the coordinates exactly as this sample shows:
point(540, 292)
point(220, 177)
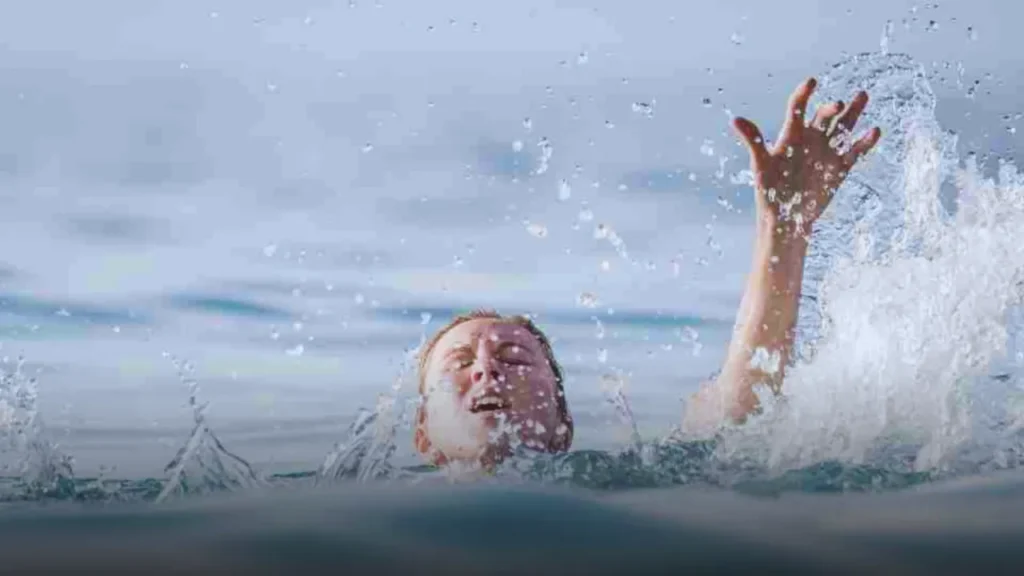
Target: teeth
point(488, 401)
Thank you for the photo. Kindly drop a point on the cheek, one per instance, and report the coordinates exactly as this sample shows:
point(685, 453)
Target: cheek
point(536, 397)
point(452, 386)
point(451, 428)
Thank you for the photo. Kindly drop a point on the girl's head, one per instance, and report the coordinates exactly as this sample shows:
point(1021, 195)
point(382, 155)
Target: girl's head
point(489, 383)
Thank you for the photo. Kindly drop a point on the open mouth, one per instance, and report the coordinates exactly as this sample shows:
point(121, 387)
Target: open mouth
point(487, 404)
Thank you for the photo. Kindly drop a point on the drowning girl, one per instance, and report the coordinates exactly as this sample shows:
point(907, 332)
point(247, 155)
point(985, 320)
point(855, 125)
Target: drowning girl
point(490, 383)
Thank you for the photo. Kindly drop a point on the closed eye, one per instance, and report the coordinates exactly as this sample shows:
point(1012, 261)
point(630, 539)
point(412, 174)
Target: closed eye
point(514, 355)
point(460, 358)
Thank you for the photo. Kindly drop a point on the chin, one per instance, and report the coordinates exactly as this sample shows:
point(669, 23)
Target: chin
point(480, 439)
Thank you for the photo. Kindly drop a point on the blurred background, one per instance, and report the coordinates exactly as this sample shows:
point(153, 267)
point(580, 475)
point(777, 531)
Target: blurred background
point(290, 195)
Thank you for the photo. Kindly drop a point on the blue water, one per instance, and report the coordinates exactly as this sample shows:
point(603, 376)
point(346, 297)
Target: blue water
point(227, 228)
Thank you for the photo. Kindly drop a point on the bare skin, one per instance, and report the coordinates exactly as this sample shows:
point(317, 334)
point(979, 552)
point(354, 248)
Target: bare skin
point(794, 182)
point(487, 384)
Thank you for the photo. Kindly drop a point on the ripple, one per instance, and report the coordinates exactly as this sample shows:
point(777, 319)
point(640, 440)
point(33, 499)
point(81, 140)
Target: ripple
point(227, 306)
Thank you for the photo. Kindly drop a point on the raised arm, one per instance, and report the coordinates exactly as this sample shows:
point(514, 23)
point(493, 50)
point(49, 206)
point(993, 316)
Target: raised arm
point(794, 182)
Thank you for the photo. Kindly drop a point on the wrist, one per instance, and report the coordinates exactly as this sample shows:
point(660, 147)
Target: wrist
point(782, 237)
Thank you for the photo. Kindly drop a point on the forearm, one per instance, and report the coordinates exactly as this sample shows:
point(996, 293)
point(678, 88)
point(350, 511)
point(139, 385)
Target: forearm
point(766, 321)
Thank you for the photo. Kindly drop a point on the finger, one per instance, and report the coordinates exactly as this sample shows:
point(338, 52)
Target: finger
point(797, 108)
point(862, 146)
point(824, 115)
point(847, 120)
point(752, 137)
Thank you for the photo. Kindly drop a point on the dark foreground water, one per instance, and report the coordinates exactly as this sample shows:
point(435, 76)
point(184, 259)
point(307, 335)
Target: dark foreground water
point(962, 527)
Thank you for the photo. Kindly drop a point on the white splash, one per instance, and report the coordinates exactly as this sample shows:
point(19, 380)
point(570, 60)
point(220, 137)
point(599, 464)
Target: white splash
point(909, 304)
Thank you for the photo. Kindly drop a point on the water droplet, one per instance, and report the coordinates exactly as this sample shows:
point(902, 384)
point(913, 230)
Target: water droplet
point(517, 146)
point(296, 351)
point(606, 265)
point(602, 355)
point(117, 329)
point(608, 124)
point(736, 39)
point(537, 230)
point(933, 25)
point(528, 124)
point(886, 36)
point(269, 250)
point(274, 334)
point(367, 147)
point(587, 300)
point(425, 318)
point(63, 312)
point(546, 151)
point(972, 34)
point(359, 299)
point(564, 190)
point(707, 148)
point(706, 102)
point(586, 215)
point(644, 108)
point(583, 58)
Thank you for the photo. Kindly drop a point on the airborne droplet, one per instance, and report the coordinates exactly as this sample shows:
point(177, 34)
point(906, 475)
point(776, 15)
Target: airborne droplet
point(587, 300)
point(537, 230)
point(564, 190)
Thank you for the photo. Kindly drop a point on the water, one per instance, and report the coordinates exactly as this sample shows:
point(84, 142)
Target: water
point(908, 385)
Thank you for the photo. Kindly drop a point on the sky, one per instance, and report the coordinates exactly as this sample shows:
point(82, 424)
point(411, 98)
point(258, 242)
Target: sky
point(204, 177)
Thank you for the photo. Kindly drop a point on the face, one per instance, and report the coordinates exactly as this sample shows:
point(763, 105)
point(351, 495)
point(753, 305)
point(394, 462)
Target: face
point(488, 387)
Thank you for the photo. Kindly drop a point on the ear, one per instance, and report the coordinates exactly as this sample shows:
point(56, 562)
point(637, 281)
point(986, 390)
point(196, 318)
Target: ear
point(422, 440)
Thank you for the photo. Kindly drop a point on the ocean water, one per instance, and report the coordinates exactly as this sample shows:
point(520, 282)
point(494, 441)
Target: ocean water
point(229, 227)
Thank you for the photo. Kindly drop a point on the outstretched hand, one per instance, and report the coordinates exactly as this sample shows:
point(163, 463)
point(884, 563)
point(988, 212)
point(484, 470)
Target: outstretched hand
point(796, 178)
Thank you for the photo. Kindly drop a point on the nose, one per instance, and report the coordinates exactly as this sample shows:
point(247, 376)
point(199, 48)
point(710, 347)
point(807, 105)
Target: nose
point(485, 370)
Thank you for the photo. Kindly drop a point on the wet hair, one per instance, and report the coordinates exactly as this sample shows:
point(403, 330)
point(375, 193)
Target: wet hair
point(545, 345)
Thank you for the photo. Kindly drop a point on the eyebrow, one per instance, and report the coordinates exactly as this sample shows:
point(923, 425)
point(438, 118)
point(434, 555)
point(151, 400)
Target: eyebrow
point(457, 350)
